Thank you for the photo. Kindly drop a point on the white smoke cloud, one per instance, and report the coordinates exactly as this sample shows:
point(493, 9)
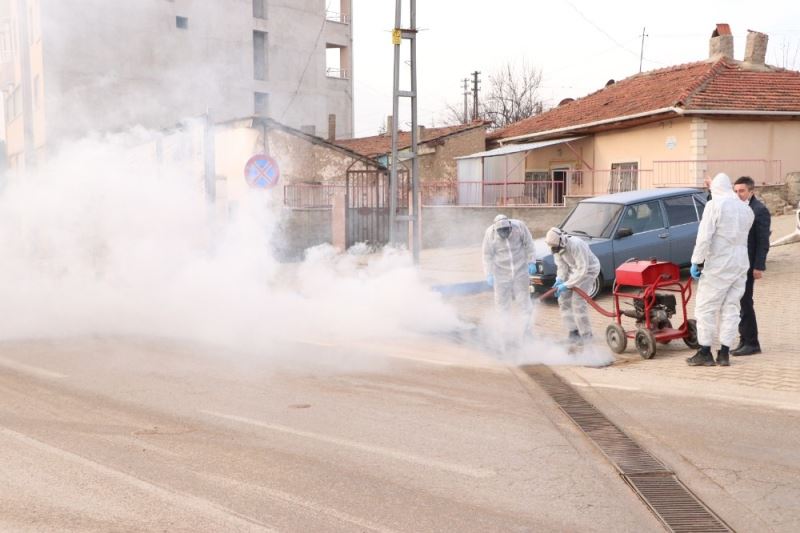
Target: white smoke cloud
point(98, 244)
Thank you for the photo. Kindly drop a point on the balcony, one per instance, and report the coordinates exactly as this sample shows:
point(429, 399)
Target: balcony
point(341, 18)
point(337, 73)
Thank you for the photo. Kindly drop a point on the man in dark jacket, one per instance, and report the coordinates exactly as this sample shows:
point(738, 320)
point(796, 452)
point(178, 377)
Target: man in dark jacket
point(757, 248)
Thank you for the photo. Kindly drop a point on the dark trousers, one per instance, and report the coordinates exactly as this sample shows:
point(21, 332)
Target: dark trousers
point(748, 327)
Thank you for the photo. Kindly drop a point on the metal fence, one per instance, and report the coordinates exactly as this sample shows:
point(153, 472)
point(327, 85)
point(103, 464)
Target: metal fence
point(309, 195)
point(480, 193)
point(693, 172)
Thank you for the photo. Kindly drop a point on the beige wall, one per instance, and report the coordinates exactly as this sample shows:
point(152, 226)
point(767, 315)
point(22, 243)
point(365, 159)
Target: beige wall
point(750, 139)
point(668, 140)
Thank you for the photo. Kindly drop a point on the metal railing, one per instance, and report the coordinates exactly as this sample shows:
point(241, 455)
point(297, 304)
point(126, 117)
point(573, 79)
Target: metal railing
point(339, 73)
point(692, 173)
point(308, 195)
point(333, 16)
point(479, 193)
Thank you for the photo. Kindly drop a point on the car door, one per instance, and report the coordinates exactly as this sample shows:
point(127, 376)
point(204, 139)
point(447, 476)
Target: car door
point(682, 217)
point(648, 234)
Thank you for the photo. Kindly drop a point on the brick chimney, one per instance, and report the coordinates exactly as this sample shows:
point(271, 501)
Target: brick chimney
point(755, 50)
point(721, 43)
point(331, 127)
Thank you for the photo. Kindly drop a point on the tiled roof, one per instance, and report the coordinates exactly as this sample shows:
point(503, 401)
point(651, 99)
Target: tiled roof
point(382, 144)
point(724, 84)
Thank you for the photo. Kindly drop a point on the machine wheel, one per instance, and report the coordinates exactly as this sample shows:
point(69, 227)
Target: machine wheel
point(645, 343)
point(597, 287)
point(616, 338)
point(691, 334)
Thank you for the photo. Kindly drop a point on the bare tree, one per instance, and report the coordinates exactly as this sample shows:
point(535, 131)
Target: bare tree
point(511, 94)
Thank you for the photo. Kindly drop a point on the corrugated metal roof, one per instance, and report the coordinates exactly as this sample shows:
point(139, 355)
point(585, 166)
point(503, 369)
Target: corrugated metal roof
point(515, 148)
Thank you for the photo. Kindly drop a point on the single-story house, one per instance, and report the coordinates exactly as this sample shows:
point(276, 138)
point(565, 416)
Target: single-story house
point(667, 127)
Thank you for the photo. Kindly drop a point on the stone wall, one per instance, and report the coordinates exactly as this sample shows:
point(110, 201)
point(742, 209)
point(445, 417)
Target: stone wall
point(300, 229)
point(437, 163)
point(781, 198)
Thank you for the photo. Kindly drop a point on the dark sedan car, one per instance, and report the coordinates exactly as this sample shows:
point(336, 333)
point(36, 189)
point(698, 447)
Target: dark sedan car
point(660, 223)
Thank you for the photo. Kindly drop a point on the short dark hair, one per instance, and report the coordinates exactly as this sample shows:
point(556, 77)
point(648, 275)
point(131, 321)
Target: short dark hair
point(747, 181)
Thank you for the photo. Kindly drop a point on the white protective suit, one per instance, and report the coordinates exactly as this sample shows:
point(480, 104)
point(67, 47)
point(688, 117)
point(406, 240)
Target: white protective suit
point(577, 266)
point(721, 247)
point(507, 260)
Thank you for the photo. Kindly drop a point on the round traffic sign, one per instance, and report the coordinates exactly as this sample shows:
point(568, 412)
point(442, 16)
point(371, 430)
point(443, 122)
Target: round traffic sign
point(261, 171)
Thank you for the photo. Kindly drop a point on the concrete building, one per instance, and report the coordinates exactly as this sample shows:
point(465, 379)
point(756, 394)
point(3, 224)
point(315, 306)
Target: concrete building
point(95, 65)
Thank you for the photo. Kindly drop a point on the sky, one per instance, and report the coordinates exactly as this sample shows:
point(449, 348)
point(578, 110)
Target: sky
point(577, 44)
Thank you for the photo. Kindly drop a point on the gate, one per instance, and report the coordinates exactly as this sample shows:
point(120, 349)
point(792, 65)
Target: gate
point(367, 205)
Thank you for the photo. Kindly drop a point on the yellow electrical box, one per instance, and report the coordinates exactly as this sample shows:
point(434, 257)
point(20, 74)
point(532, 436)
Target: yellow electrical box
point(397, 36)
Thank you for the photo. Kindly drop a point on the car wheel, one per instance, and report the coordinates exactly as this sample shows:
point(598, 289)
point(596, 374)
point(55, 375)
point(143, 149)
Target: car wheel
point(597, 287)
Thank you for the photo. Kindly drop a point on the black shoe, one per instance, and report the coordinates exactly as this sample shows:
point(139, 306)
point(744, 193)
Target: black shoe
point(723, 359)
point(701, 358)
point(746, 349)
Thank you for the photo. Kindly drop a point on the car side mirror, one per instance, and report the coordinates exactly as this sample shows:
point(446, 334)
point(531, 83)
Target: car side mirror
point(624, 232)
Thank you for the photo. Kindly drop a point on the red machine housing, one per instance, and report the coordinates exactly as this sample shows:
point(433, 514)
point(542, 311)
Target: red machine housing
point(639, 280)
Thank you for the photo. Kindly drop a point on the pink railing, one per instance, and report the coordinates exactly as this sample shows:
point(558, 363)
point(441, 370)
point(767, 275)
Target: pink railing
point(692, 173)
point(479, 193)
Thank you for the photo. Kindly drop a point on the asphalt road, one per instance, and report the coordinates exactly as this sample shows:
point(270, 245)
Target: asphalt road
point(153, 435)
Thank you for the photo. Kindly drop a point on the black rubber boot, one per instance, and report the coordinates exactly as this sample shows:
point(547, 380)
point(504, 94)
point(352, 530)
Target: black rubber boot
point(703, 357)
point(723, 358)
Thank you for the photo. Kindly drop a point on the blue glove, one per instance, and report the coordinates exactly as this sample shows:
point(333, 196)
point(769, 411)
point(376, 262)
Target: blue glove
point(558, 280)
point(695, 271)
point(560, 288)
point(490, 280)
point(531, 269)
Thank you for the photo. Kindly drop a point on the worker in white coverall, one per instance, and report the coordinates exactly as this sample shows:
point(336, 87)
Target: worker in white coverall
point(576, 266)
point(721, 249)
point(508, 262)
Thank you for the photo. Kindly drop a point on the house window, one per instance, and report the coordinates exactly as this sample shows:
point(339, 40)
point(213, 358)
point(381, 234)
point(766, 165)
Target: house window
point(260, 55)
point(624, 177)
point(182, 23)
point(260, 9)
point(261, 104)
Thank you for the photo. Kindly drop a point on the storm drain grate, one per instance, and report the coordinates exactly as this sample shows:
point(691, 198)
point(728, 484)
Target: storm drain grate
point(654, 483)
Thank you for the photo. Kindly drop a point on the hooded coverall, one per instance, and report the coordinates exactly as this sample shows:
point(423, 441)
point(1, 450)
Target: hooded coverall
point(507, 260)
point(721, 246)
point(578, 267)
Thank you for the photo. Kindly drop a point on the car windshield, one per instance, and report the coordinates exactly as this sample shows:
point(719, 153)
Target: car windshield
point(592, 219)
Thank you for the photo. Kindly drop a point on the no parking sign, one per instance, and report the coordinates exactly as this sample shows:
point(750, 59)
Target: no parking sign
point(261, 171)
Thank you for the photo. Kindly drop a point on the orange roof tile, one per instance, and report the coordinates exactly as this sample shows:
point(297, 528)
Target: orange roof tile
point(721, 85)
point(382, 144)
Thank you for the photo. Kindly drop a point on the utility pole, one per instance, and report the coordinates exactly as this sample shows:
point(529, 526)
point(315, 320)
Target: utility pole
point(398, 35)
point(475, 83)
point(641, 52)
point(465, 82)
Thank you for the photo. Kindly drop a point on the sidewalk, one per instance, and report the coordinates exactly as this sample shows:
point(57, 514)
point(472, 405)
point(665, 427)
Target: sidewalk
point(777, 370)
